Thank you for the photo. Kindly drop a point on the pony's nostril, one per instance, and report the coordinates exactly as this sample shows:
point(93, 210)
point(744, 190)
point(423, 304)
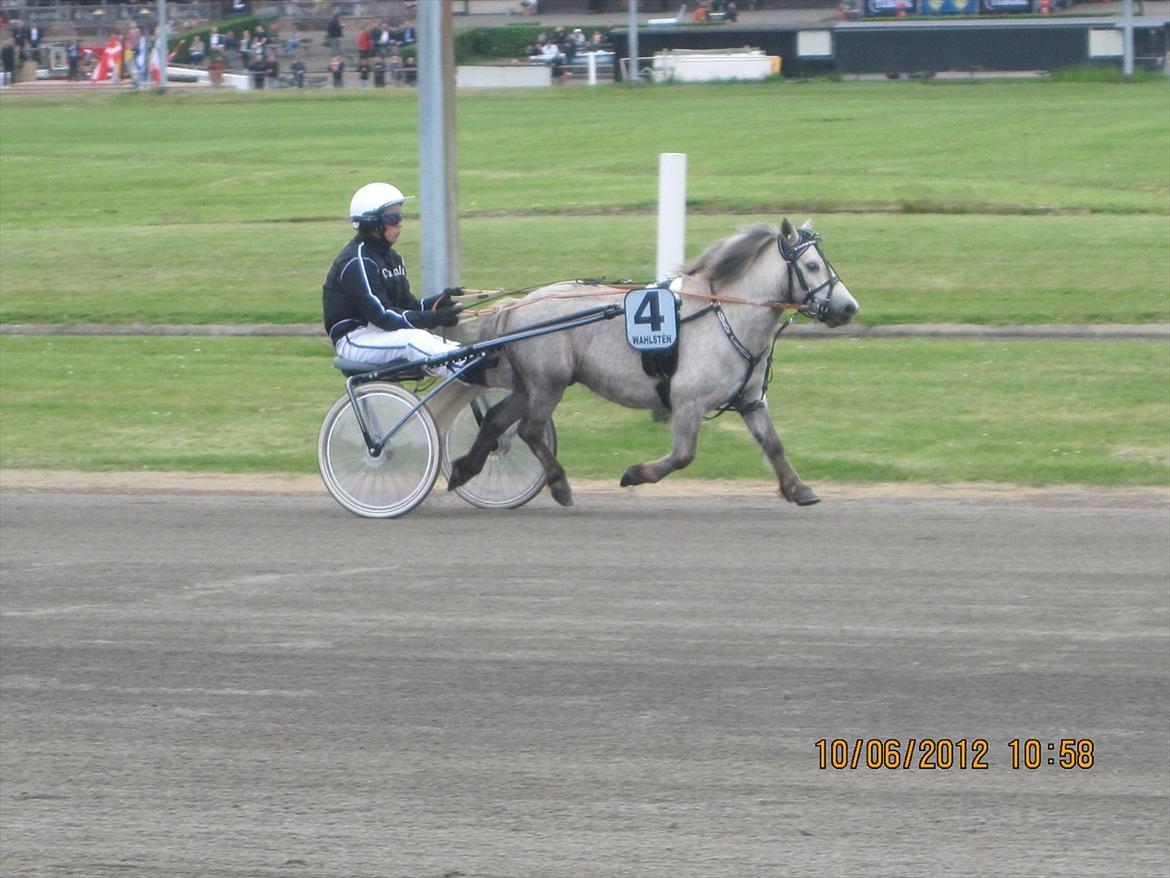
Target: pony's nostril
point(849, 310)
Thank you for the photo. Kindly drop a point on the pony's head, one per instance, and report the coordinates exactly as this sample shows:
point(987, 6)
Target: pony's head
point(812, 282)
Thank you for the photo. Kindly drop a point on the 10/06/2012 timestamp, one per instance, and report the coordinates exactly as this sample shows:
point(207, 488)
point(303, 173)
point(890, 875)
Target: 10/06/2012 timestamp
point(951, 753)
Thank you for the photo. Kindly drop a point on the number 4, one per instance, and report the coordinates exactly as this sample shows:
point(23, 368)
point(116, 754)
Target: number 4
point(650, 303)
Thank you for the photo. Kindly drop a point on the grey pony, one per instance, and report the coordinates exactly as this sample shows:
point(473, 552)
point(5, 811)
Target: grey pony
point(762, 265)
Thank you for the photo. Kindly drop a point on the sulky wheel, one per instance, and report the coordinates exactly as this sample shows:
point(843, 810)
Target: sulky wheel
point(399, 477)
point(511, 475)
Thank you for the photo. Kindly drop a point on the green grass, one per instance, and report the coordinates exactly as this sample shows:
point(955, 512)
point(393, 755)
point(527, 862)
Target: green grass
point(903, 269)
point(1027, 412)
point(990, 202)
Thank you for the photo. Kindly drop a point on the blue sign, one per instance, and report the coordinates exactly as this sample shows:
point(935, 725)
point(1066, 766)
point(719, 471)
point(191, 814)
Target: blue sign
point(890, 7)
point(992, 6)
point(948, 7)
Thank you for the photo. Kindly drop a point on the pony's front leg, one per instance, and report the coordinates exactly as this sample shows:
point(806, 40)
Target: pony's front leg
point(759, 423)
point(684, 428)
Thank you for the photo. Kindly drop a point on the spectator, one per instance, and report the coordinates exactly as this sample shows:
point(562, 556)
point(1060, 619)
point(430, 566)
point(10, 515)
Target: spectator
point(259, 71)
point(259, 41)
point(365, 44)
point(394, 67)
point(384, 38)
point(73, 58)
point(731, 11)
point(196, 50)
point(364, 73)
point(408, 35)
point(245, 46)
point(272, 68)
point(333, 33)
point(298, 72)
point(293, 44)
point(215, 41)
point(700, 13)
point(337, 68)
point(7, 63)
point(596, 41)
point(379, 73)
point(410, 71)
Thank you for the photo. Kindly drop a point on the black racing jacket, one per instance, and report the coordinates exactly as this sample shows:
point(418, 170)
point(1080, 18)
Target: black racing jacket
point(366, 285)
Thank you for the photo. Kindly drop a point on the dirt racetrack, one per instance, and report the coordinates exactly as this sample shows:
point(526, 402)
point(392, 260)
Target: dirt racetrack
point(198, 681)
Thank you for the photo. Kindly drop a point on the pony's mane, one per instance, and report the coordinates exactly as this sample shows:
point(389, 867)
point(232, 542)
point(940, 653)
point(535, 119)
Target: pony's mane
point(727, 259)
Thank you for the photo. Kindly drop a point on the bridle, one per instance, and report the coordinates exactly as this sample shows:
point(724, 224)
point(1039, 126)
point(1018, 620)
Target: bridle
point(791, 253)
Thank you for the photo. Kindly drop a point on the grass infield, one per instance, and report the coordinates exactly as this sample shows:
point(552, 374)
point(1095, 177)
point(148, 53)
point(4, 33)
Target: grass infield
point(990, 202)
point(1027, 412)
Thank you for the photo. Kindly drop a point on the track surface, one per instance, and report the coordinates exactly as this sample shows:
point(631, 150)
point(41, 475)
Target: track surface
point(258, 684)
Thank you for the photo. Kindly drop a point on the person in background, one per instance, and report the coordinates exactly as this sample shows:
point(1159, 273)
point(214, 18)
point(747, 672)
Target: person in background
point(410, 71)
point(379, 73)
point(245, 48)
point(385, 37)
point(298, 71)
point(272, 68)
point(337, 68)
point(73, 58)
point(369, 311)
point(333, 33)
point(365, 44)
point(292, 43)
point(408, 35)
point(364, 73)
point(196, 51)
point(394, 67)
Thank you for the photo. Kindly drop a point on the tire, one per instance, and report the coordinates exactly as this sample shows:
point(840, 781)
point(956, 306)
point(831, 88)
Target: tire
point(511, 475)
point(401, 476)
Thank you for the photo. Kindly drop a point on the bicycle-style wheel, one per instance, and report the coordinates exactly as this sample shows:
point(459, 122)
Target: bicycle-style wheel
point(396, 480)
point(511, 475)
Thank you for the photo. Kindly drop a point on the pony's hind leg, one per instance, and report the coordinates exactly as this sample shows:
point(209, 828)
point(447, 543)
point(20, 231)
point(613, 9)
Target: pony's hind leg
point(684, 428)
point(498, 418)
point(759, 424)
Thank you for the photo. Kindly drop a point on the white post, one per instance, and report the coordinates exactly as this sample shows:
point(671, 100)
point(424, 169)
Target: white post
point(672, 213)
point(436, 146)
point(591, 63)
point(160, 39)
point(1127, 37)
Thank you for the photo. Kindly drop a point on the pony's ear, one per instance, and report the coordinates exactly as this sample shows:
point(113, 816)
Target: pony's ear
point(807, 225)
point(787, 232)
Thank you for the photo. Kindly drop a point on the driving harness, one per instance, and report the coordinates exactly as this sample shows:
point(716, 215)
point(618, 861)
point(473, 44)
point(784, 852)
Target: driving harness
point(661, 365)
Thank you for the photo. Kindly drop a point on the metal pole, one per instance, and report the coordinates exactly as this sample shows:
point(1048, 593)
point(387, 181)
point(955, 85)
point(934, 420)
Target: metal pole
point(633, 78)
point(160, 44)
point(1127, 38)
point(672, 213)
point(436, 147)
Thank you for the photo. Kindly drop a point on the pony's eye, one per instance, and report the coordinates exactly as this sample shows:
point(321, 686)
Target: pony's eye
point(812, 265)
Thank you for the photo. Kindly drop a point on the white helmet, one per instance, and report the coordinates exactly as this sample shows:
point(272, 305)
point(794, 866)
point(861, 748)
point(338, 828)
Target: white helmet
point(367, 204)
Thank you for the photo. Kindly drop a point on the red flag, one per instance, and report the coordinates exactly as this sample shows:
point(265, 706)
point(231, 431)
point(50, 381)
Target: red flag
point(110, 56)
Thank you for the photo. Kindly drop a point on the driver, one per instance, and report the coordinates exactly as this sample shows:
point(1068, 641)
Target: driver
point(370, 314)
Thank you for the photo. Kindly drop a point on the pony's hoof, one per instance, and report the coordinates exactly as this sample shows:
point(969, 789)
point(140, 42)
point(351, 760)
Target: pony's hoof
point(631, 477)
point(459, 476)
point(561, 493)
point(807, 498)
point(626, 480)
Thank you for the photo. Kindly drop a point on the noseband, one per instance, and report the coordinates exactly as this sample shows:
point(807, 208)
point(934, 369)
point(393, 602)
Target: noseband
point(791, 253)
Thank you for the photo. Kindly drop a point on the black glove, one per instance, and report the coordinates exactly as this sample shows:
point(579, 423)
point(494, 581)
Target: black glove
point(442, 300)
point(433, 318)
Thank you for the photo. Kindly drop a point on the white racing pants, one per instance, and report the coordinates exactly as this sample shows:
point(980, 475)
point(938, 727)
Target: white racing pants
point(368, 344)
